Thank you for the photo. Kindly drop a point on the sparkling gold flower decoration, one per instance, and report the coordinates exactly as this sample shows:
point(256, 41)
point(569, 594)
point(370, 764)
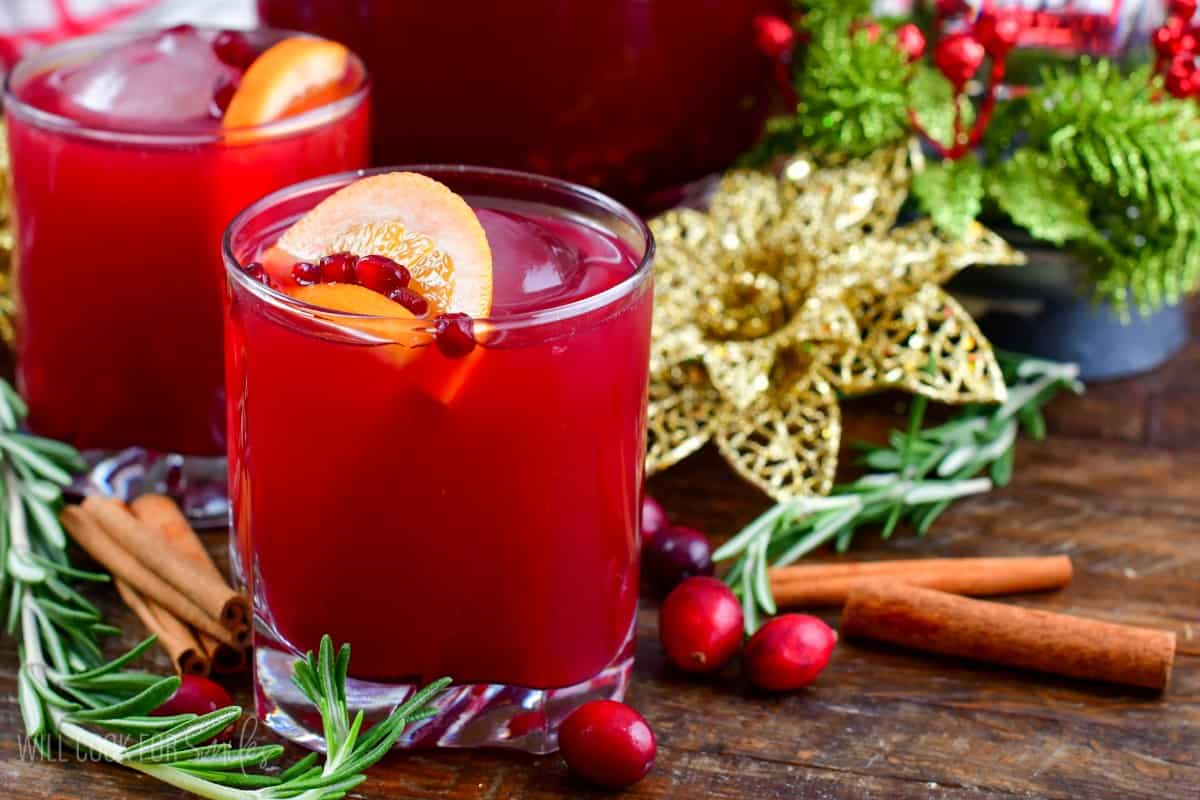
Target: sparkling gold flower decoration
point(790, 289)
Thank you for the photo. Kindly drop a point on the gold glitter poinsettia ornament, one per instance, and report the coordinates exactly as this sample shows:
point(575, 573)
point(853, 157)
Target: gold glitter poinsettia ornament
point(790, 289)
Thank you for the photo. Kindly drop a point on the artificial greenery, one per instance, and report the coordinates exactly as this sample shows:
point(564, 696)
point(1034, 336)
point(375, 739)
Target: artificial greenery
point(914, 478)
point(1093, 159)
point(66, 690)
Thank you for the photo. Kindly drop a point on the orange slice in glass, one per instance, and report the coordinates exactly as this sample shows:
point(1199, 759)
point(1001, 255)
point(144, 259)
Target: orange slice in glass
point(292, 76)
point(413, 220)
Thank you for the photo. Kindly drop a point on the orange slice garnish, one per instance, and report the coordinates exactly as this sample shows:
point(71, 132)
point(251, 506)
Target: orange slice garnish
point(291, 76)
point(413, 220)
point(395, 320)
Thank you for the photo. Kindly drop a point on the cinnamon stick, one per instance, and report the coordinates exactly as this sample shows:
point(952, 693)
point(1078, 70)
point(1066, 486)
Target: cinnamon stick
point(829, 584)
point(225, 659)
point(164, 516)
point(205, 590)
point(92, 537)
point(176, 638)
point(926, 619)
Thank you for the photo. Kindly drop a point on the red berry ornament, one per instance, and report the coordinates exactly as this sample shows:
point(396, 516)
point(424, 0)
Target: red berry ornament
point(911, 41)
point(998, 32)
point(1180, 80)
point(700, 625)
point(870, 26)
point(1183, 9)
point(1166, 40)
point(788, 652)
point(774, 37)
point(958, 56)
point(654, 518)
point(608, 744)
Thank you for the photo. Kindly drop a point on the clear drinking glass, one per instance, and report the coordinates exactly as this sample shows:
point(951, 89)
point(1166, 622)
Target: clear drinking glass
point(472, 516)
point(118, 275)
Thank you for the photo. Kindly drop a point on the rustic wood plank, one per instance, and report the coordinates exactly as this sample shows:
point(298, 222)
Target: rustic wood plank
point(1117, 486)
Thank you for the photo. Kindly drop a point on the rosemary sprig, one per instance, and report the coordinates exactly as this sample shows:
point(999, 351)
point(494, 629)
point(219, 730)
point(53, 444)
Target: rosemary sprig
point(914, 478)
point(67, 690)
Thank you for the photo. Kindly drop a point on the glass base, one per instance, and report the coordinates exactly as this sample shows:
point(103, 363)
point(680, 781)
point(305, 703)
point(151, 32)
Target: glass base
point(470, 715)
point(197, 483)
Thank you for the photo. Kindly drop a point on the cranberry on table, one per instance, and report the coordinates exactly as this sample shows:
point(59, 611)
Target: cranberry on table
point(700, 625)
point(195, 695)
point(654, 518)
point(789, 652)
point(676, 554)
point(607, 743)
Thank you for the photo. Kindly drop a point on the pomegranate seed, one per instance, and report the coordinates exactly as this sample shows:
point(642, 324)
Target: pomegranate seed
point(183, 29)
point(255, 270)
point(700, 625)
point(676, 554)
point(338, 268)
point(455, 335)
point(788, 652)
point(608, 744)
point(234, 49)
point(409, 299)
point(380, 274)
point(305, 273)
point(223, 96)
point(654, 518)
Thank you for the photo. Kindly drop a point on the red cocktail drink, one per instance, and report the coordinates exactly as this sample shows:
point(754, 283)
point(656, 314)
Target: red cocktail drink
point(125, 176)
point(447, 511)
point(629, 96)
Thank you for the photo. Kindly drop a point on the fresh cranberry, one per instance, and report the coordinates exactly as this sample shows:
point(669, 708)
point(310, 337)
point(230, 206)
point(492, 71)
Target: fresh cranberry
point(223, 96)
point(676, 554)
point(306, 273)
point(608, 744)
point(788, 652)
point(998, 32)
point(234, 49)
point(410, 299)
point(654, 518)
point(911, 41)
point(700, 625)
point(455, 335)
point(380, 274)
point(338, 268)
point(195, 695)
point(255, 270)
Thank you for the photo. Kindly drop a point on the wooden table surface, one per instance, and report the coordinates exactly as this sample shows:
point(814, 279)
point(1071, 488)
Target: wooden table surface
point(1116, 485)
